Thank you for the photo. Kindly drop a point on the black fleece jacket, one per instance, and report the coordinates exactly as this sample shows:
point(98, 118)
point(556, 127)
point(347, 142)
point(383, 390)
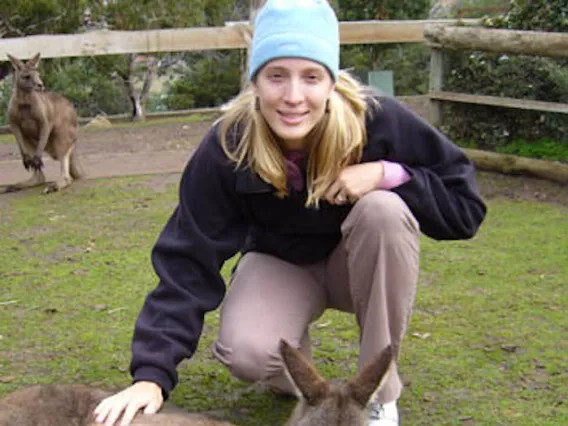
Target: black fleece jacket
point(222, 211)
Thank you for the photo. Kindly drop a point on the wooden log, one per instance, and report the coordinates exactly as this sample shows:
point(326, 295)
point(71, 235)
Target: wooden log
point(511, 164)
point(535, 43)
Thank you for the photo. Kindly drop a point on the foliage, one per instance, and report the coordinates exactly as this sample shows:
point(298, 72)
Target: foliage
point(357, 10)
point(409, 63)
point(214, 78)
point(467, 8)
point(5, 90)
point(83, 83)
point(29, 17)
point(534, 15)
point(518, 76)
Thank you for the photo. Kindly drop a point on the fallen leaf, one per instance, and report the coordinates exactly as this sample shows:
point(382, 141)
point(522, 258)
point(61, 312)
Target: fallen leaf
point(323, 324)
point(510, 348)
point(7, 379)
point(422, 336)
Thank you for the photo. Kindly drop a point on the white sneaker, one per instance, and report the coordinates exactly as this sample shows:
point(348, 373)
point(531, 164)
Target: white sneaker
point(383, 414)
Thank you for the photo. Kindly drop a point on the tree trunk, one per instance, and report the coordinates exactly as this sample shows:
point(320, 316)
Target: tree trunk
point(128, 81)
point(137, 109)
point(138, 101)
point(511, 164)
point(534, 43)
point(150, 73)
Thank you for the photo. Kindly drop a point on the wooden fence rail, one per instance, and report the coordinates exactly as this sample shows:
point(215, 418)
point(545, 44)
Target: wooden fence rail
point(535, 43)
point(233, 36)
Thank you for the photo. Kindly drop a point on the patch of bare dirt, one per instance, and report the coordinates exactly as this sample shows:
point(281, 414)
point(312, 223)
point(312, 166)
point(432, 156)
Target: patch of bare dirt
point(494, 185)
point(151, 138)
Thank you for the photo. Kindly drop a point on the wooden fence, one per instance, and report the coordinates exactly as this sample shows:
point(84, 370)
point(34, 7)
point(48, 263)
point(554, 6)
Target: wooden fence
point(443, 38)
point(234, 36)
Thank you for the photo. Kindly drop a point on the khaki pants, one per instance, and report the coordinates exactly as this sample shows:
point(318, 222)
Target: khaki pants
point(373, 273)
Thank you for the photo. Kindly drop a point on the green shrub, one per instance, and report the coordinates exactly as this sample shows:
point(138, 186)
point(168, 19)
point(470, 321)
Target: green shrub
point(91, 91)
point(5, 90)
point(211, 81)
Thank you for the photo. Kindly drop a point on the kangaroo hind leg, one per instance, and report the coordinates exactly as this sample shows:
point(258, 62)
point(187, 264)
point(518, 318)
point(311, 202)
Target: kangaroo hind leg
point(65, 178)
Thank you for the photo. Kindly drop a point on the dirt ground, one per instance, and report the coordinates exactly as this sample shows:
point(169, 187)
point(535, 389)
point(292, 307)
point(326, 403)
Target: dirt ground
point(166, 147)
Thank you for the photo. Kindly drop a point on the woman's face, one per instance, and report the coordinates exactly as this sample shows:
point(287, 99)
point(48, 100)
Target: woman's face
point(292, 95)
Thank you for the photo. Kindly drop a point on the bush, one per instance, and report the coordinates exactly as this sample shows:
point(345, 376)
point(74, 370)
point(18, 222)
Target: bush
point(211, 81)
point(91, 91)
point(5, 91)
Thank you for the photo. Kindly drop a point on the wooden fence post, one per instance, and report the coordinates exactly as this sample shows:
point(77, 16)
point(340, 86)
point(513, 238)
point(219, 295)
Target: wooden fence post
point(436, 84)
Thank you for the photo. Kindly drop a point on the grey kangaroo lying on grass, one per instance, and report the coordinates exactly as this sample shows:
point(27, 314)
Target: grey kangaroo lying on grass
point(41, 121)
point(321, 403)
point(73, 405)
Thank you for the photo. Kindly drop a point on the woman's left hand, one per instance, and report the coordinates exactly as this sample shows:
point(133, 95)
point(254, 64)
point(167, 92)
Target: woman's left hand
point(354, 182)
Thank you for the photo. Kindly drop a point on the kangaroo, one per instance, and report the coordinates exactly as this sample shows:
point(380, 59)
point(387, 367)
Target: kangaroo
point(73, 405)
point(323, 403)
point(41, 121)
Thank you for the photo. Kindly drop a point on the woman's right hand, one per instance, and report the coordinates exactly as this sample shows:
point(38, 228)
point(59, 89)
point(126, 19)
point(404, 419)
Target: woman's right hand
point(140, 395)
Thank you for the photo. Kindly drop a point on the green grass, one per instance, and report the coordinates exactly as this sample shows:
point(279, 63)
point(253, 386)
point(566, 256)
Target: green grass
point(75, 266)
point(544, 149)
point(7, 138)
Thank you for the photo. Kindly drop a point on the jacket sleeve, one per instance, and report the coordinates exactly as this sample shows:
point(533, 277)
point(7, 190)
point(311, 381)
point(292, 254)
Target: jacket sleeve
point(206, 229)
point(442, 192)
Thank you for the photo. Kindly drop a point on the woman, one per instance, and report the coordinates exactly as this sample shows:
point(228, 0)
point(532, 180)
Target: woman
point(324, 188)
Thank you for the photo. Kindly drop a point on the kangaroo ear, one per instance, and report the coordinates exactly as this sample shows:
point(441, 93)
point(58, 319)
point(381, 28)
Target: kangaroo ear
point(34, 61)
point(308, 382)
point(371, 377)
point(16, 63)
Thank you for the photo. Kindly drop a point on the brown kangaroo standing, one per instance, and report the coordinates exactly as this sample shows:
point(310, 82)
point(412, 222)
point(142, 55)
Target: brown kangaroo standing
point(41, 121)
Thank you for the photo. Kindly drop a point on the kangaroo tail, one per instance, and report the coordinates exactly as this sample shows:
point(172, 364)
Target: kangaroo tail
point(75, 169)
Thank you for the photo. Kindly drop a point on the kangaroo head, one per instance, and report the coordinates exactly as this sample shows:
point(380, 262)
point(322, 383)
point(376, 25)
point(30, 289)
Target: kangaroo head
point(325, 403)
point(26, 75)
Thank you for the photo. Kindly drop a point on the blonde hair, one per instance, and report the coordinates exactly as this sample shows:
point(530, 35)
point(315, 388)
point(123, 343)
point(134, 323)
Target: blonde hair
point(338, 139)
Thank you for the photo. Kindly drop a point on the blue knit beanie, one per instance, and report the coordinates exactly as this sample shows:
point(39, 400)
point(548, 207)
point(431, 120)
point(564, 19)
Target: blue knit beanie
point(305, 29)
